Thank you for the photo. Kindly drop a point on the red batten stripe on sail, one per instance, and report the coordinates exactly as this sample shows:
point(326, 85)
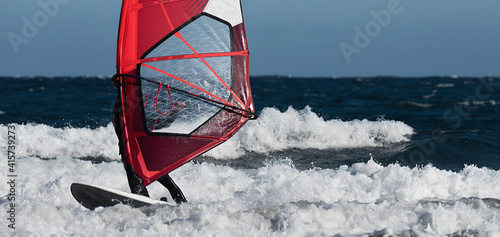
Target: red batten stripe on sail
point(135, 7)
point(184, 56)
point(166, 15)
point(211, 69)
point(188, 56)
point(178, 35)
point(192, 85)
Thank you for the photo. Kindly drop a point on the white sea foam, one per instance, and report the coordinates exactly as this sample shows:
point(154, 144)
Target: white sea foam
point(276, 130)
point(445, 85)
point(421, 105)
point(273, 131)
point(433, 94)
point(48, 142)
point(275, 200)
point(479, 103)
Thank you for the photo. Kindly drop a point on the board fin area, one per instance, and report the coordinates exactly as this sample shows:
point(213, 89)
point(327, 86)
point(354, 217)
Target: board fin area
point(93, 196)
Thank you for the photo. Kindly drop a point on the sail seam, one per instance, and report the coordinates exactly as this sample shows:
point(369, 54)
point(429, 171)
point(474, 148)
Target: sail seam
point(189, 84)
point(188, 56)
point(211, 69)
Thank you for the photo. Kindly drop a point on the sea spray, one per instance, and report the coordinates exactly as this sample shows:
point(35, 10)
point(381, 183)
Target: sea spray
point(276, 130)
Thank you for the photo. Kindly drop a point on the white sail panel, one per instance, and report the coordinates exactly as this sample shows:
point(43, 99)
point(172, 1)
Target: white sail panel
point(229, 10)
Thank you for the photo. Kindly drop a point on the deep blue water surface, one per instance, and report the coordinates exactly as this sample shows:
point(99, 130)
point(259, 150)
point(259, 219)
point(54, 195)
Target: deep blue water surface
point(456, 120)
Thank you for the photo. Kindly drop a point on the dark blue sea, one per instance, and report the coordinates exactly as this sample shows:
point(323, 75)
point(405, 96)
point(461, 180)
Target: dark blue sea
point(327, 156)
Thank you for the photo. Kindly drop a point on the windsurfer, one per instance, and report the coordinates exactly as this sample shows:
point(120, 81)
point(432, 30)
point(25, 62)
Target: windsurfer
point(135, 182)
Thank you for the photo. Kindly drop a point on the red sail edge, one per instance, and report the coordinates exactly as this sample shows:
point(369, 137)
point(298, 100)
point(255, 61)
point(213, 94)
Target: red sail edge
point(147, 30)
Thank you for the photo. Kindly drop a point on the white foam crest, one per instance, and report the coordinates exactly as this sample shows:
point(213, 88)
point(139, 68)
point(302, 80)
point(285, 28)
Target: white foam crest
point(275, 200)
point(275, 130)
point(41, 140)
point(421, 105)
point(479, 102)
point(445, 85)
point(433, 94)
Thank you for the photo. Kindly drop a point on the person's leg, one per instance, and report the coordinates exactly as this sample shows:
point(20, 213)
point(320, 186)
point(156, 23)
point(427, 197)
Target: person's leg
point(135, 182)
point(174, 190)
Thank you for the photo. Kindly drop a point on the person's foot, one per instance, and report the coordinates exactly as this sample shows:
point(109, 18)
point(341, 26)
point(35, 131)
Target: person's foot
point(141, 190)
point(173, 189)
point(164, 199)
point(135, 182)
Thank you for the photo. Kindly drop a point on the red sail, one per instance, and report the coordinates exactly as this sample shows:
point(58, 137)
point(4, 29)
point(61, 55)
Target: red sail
point(184, 82)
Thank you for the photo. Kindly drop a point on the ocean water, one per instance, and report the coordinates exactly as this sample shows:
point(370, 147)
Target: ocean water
point(327, 157)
